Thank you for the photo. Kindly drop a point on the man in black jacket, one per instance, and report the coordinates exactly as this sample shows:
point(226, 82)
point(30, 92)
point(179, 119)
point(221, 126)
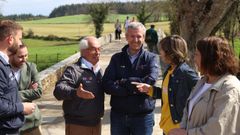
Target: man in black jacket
point(12, 110)
point(81, 90)
point(131, 112)
point(152, 39)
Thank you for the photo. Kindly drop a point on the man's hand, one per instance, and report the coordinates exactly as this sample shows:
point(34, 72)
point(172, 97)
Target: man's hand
point(142, 87)
point(177, 131)
point(33, 85)
point(84, 93)
point(28, 108)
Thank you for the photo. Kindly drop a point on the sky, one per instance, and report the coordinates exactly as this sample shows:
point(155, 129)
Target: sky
point(36, 7)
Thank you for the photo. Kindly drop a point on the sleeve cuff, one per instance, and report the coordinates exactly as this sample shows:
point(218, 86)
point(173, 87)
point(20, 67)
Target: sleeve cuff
point(19, 107)
point(150, 92)
point(74, 93)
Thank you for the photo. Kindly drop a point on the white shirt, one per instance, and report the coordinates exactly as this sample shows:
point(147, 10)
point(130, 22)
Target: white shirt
point(87, 64)
point(17, 74)
point(127, 23)
point(4, 56)
point(203, 89)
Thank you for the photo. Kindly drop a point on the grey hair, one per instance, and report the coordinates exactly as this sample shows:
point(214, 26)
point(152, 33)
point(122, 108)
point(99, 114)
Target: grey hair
point(136, 25)
point(83, 44)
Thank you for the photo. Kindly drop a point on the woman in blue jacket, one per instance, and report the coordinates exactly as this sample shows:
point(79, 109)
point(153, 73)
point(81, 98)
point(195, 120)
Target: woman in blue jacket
point(178, 81)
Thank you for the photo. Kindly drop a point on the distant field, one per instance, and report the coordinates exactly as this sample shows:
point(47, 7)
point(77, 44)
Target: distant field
point(73, 31)
point(76, 26)
point(39, 46)
point(76, 19)
point(47, 53)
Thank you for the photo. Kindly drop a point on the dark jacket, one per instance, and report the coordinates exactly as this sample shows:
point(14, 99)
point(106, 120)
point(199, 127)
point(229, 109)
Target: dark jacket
point(151, 36)
point(118, 76)
point(181, 83)
point(77, 110)
point(28, 75)
point(11, 108)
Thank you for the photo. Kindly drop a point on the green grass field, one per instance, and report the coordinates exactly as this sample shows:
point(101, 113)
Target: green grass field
point(77, 19)
point(47, 53)
point(76, 26)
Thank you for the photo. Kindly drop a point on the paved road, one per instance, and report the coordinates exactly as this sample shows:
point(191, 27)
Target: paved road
point(53, 122)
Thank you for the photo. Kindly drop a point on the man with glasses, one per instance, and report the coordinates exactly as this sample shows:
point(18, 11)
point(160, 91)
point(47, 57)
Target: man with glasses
point(81, 90)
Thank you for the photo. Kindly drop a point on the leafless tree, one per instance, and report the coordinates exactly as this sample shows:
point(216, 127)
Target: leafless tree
point(200, 18)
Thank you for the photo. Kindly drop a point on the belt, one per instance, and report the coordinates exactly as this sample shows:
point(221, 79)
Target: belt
point(133, 114)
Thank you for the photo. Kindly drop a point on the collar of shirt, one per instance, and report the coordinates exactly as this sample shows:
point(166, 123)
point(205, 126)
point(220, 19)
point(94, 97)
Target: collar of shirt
point(133, 57)
point(17, 74)
point(5, 57)
point(86, 64)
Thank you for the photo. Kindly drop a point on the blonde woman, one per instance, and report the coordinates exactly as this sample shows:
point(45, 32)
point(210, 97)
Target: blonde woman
point(178, 81)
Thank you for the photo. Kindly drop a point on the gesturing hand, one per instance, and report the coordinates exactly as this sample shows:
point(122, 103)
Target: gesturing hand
point(142, 87)
point(84, 93)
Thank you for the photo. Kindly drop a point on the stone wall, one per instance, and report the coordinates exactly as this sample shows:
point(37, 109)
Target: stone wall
point(50, 75)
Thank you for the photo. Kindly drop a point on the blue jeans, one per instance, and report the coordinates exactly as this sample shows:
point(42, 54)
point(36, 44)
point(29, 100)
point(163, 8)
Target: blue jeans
point(122, 124)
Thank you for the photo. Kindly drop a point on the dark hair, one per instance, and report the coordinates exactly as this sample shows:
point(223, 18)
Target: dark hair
point(175, 48)
point(14, 51)
point(7, 28)
point(22, 46)
point(152, 26)
point(217, 56)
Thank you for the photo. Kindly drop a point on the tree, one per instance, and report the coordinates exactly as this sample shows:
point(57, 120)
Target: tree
point(143, 14)
point(200, 18)
point(99, 13)
point(172, 15)
point(231, 27)
point(146, 10)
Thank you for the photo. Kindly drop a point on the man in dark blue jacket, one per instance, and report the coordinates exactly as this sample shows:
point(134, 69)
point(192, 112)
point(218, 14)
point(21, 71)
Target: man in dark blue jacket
point(12, 110)
point(131, 112)
point(80, 88)
point(152, 39)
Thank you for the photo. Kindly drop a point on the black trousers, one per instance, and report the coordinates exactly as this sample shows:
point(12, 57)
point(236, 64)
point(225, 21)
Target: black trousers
point(117, 34)
point(9, 132)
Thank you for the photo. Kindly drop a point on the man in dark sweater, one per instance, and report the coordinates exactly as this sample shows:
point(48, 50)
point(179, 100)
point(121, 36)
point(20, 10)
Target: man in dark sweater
point(81, 90)
point(151, 39)
point(131, 112)
point(12, 110)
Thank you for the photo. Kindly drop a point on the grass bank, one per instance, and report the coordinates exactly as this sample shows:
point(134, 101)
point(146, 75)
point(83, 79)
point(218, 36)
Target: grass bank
point(47, 53)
